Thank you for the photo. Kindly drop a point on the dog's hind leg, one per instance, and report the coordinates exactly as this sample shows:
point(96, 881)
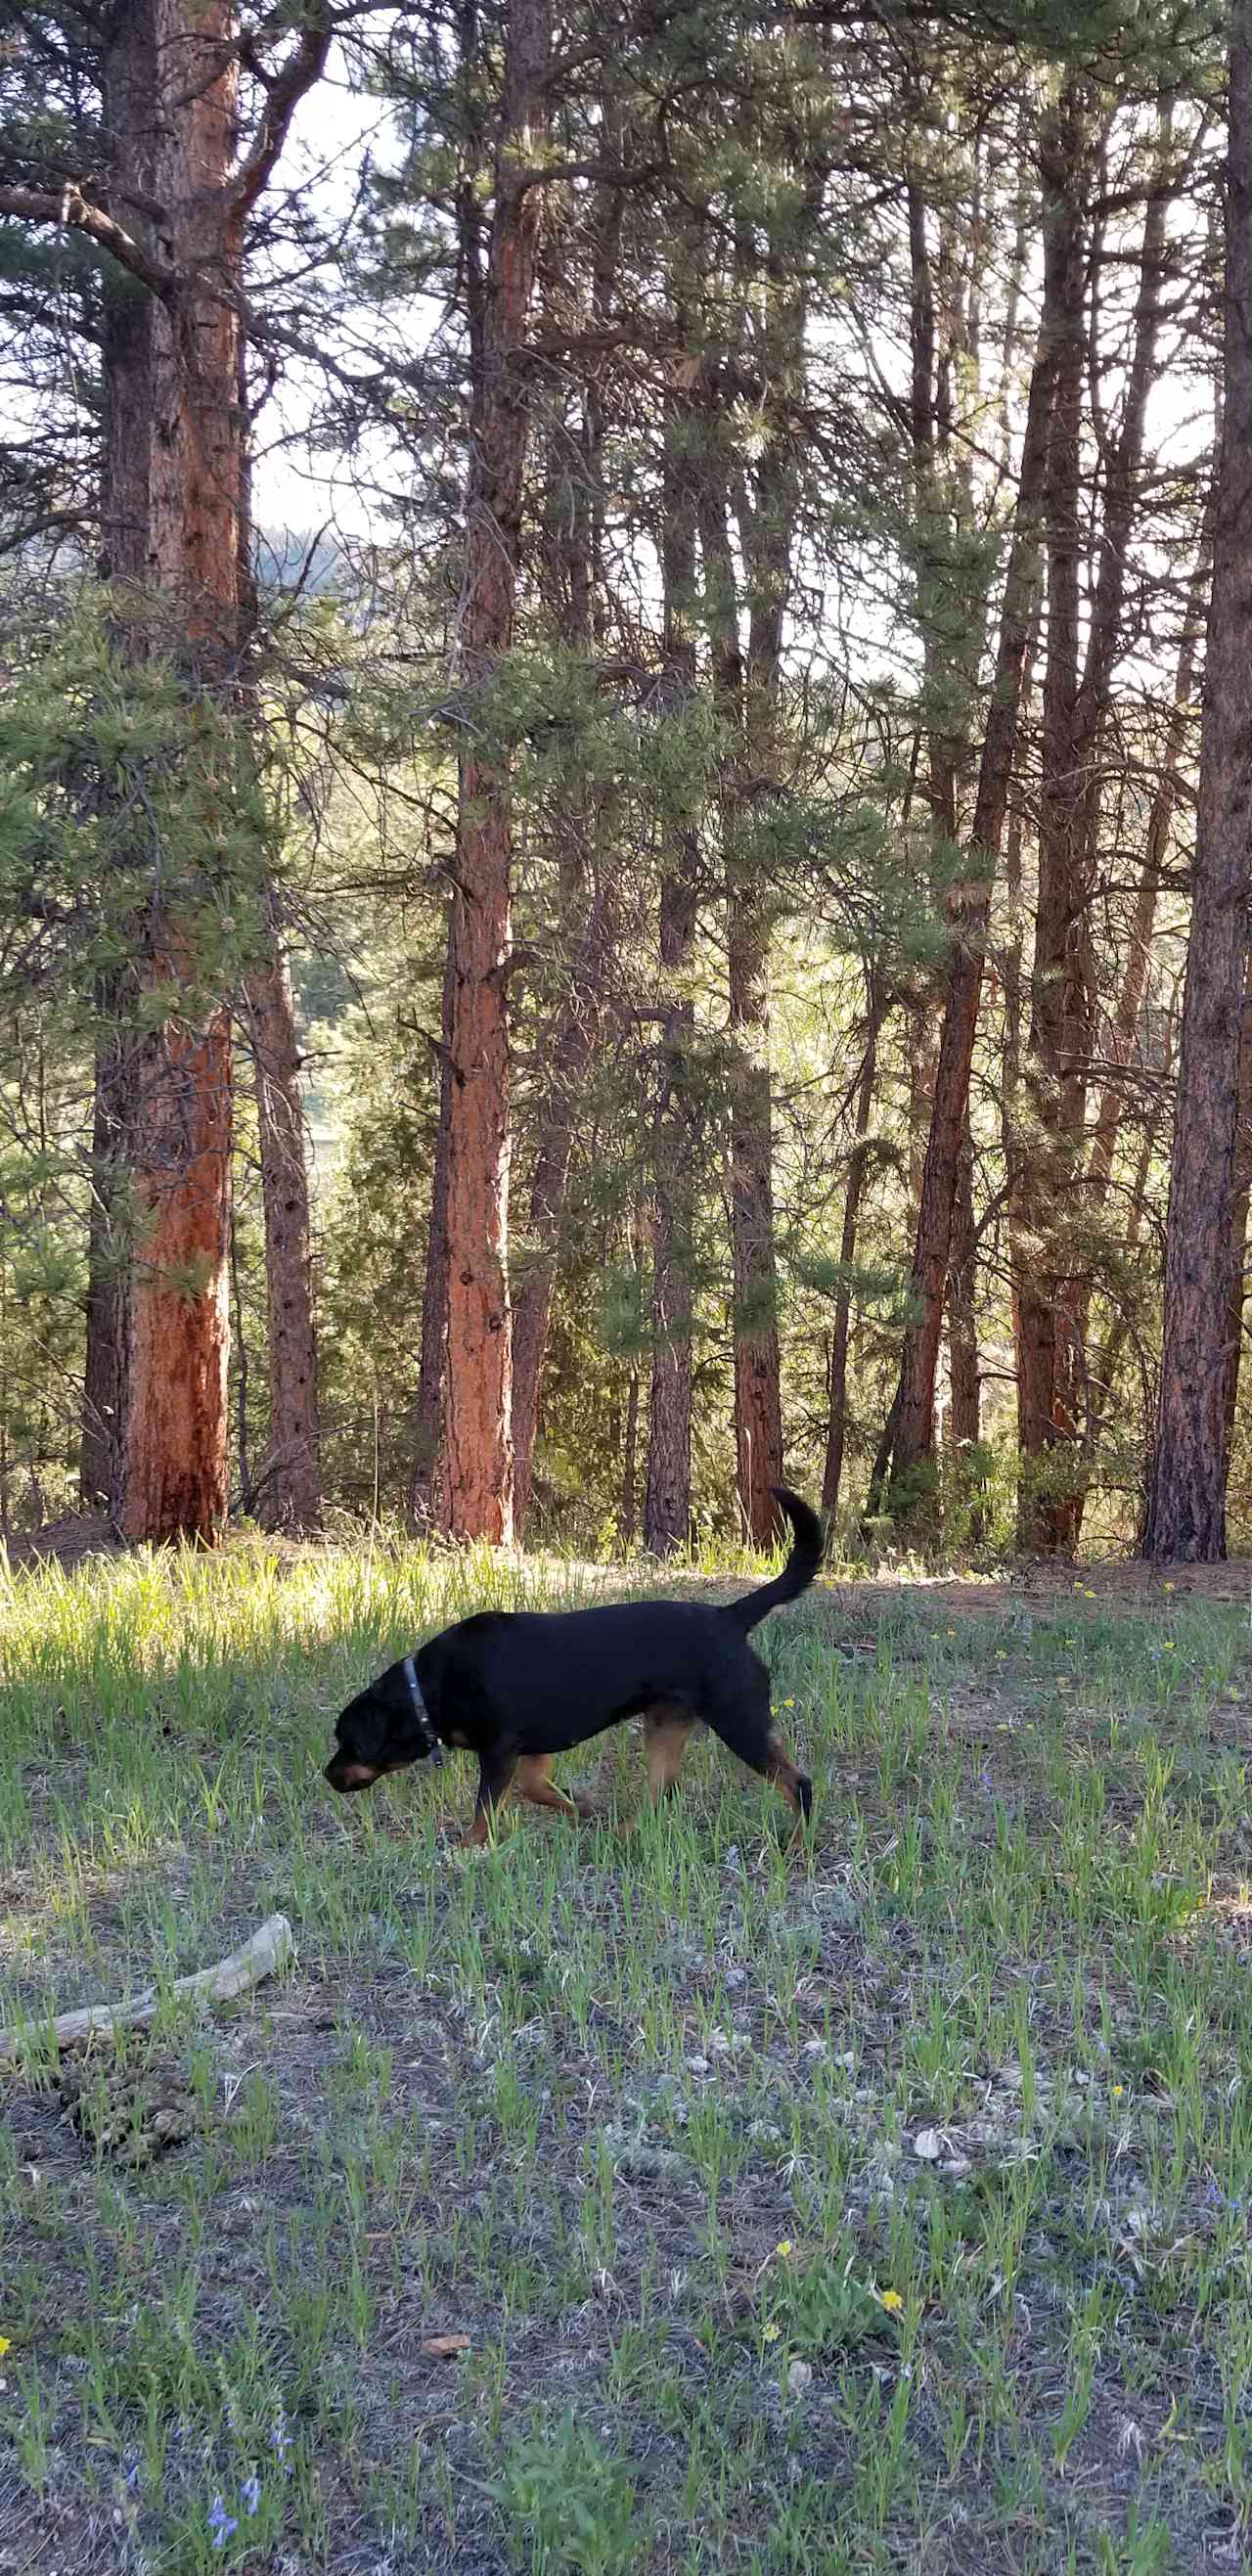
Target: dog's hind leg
point(750, 1732)
point(495, 1779)
point(534, 1782)
point(666, 1733)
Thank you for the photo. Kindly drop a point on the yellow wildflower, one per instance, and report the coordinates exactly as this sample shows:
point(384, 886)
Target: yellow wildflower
point(772, 2333)
point(784, 2248)
point(6, 2345)
point(891, 2301)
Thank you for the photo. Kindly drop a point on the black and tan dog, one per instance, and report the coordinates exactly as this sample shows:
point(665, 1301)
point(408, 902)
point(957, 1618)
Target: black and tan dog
point(517, 1686)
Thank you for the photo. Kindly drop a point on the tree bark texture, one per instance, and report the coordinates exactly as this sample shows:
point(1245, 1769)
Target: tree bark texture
point(913, 1408)
point(572, 556)
point(1053, 1368)
point(667, 1487)
point(175, 1482)
point(129, 104)
point(1186, 1516)
point(427, 1502)
point(479, 1368)
point(574, 1044)
point(291, 1497)
point(964, 1415)
point(858, 1167)
point(746, 703)
point(1239, 1217)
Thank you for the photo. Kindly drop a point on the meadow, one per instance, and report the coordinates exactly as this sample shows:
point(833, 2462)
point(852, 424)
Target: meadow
point(659, 2196)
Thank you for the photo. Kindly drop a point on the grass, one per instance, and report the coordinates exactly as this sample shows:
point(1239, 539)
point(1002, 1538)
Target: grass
point(876, 2204)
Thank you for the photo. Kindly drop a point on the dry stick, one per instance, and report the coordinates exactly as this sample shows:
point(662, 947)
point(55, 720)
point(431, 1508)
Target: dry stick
point(268, 1950)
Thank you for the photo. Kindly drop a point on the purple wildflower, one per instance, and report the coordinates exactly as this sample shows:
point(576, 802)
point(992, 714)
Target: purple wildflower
point(280, 2439)
point(221, 2523)
point(986, 1779)
point(250, 2492)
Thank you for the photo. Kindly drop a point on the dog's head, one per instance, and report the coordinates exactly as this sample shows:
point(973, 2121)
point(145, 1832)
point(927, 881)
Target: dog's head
point(386, 1726)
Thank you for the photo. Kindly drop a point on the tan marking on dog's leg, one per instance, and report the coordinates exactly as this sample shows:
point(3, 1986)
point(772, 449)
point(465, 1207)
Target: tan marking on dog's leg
point(666, 1739)
point(535, 1783)
point(782, 1771)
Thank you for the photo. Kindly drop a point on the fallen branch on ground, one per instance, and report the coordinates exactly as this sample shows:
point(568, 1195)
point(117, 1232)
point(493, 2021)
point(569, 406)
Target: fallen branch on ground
point(262, 1956)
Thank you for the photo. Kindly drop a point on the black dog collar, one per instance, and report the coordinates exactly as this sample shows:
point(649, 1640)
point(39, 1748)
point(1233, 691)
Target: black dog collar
point(420, 1710)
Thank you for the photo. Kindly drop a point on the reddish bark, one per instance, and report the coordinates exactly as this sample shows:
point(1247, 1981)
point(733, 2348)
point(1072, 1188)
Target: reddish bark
point(175, 1481)
point(1186, 1516)
point(479, 1379)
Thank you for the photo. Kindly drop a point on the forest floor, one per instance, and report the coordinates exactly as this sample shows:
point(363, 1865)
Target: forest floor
point(651, 2198)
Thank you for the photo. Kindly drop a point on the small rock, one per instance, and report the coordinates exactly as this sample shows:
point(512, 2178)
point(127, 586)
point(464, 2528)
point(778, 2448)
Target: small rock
point(957, 2167)
point(698, 2066)
point(799, 2377)
point(928, 2145)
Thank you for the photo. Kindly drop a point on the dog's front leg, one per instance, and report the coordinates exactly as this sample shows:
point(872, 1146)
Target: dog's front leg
point(534, 1782)
point(495, 1779)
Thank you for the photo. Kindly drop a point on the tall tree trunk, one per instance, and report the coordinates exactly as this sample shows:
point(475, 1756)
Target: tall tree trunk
point(479, 1364)
point(573, 1047)
point(964, 1418)
point(106, 1372)
point(573, 546)
point(291, 1489)
point(1131, 996)
point(1186, 1517)
point(427, 1504)
point(1239, 1218)
point(667, 1490)
point(767, 532)
point(292, 1495)
point(750, 750)
point(1054, 1365)
point(911, 1423)
point(858, 1167)
point(128, 322)
point(1041, 1175)
point(175, 1482)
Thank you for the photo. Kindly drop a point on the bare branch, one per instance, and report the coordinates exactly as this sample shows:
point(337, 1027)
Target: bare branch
point(74, 213)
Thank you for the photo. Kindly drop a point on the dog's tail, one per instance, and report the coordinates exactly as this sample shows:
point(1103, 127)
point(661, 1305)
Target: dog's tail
point(797, 1573)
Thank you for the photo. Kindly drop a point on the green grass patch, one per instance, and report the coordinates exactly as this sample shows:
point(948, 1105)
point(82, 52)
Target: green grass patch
point(659, 2196)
